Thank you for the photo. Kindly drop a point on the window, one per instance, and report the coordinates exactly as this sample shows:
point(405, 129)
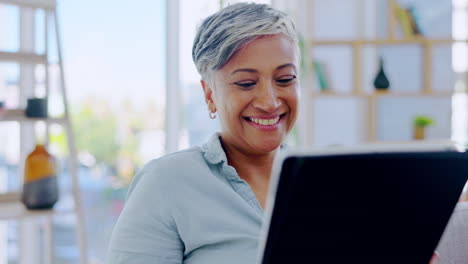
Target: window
point(114, 53)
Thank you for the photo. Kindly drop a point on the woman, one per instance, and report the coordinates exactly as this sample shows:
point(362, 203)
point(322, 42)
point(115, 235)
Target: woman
point(205, 204)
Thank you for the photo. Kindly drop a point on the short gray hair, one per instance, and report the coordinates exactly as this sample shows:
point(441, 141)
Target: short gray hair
point(232, 28)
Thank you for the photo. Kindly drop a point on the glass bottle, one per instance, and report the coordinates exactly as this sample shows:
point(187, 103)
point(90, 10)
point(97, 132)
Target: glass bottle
point(40, 187)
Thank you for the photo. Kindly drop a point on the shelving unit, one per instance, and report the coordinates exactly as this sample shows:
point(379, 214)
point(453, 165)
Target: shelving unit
point(11, 207)
point(357, 46)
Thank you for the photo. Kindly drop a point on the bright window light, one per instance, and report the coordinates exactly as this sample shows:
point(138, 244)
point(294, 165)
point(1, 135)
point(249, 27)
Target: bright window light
point(460, 57)
point(459, 118)
point(460, 22)
point(460, 3)
point(460, 65)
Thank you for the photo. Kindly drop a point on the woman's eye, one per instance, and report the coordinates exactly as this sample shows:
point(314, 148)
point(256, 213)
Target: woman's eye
point(285, 81)
point(245, 85)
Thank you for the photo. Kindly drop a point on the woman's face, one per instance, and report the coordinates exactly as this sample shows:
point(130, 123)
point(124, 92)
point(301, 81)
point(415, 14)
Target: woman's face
point(256, 94)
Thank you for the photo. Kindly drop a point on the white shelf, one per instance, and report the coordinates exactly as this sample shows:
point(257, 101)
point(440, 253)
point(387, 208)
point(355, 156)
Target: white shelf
point(23, 57)
point(45, 4)
point(9, 197)
point(19, 116)
point(11, 208)
point(16, 210)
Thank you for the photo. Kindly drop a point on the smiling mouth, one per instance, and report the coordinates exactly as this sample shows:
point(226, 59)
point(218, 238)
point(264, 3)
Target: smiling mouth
point(265, 122)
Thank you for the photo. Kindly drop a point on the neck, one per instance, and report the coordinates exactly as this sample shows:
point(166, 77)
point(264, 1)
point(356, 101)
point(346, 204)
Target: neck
point(250, 166)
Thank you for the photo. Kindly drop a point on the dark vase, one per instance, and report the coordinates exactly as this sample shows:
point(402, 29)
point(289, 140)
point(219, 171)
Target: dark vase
point(381, 82)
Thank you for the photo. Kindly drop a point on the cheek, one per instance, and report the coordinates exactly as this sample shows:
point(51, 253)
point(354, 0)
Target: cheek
point(232, 105)
point(292, 99)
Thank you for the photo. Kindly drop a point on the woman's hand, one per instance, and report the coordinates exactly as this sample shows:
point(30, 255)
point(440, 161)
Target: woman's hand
point(435, 258)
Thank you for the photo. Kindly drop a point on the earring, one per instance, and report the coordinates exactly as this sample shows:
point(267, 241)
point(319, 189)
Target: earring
point(212, 113)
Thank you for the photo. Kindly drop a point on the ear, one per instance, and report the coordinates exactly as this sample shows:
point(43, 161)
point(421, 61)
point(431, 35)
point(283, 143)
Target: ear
point(208, 91)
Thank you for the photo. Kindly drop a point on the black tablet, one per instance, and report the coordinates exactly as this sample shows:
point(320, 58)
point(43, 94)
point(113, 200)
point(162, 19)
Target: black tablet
point(373, 204)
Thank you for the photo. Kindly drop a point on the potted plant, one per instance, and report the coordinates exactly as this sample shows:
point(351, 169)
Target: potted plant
point(419, 124)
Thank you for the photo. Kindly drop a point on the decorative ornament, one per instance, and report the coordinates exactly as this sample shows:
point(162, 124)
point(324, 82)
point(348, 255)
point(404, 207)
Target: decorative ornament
point(381, 82)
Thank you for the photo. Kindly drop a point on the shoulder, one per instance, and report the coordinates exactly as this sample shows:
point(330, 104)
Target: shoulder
point(454, 241)
point(177, 161)
point(168, 171)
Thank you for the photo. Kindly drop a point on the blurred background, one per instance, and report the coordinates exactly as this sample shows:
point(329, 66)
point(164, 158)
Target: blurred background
point(135, 95)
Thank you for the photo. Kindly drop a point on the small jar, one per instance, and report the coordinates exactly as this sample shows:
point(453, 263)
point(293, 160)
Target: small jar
point(40, 187)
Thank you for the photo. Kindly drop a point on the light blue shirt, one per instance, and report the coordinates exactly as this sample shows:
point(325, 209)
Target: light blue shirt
point(188, 207)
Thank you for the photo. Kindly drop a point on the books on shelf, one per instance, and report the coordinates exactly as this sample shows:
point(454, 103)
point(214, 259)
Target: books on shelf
point(322, 76)
point(415, 22)
point(408, 21)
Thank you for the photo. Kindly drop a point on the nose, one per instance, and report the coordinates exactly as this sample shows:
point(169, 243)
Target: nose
point(267, 99)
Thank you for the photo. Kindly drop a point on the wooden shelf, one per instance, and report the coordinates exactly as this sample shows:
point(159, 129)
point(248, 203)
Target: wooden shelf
point(412, 94)
point(381, 94)
point(427, 142)
point(9, 197)
point(336, 94)
point(23, 57)
point(19, 116)
point(415, 40)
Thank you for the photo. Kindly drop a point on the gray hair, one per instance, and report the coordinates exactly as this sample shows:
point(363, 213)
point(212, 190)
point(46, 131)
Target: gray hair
point(232, 28)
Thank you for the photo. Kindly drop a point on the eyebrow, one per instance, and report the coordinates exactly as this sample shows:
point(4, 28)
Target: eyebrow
point(255, 71)
point(244, 70)
point(286, 65)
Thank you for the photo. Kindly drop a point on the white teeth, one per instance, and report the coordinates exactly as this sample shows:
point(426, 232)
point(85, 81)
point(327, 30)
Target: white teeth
point(265, 122)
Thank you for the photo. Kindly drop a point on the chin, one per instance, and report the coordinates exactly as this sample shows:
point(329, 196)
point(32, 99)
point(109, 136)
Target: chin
point(267, 145)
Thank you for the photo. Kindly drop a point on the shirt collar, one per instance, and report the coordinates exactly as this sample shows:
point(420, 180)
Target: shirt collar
point(214, 154)
point(213, 151)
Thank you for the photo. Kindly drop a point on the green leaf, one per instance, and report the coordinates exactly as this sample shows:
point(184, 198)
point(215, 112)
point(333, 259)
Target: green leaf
point(422, 121)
